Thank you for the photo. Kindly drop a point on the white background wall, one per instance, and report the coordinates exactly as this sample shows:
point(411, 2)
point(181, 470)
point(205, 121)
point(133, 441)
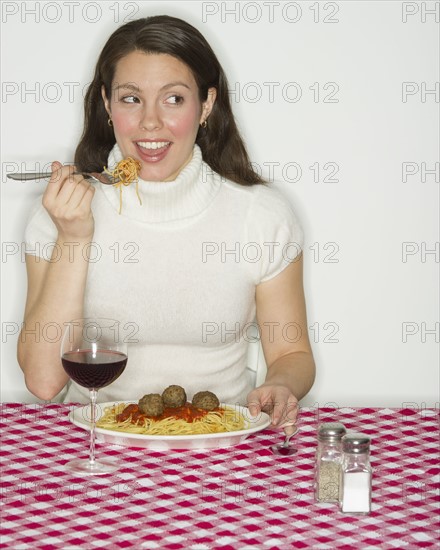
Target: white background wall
point(339, 104)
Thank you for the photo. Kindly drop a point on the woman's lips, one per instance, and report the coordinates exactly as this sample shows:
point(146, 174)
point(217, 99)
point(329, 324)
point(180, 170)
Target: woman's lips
point(153, 151)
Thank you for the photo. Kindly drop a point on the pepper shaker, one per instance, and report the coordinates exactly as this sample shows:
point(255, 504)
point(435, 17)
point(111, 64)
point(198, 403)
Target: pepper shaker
point(328, 462)
point(356, 474)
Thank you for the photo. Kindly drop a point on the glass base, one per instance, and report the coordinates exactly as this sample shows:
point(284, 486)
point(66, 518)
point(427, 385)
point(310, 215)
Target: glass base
point(85, 467)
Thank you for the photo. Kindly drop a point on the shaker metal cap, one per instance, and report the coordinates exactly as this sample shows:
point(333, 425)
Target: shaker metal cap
point(356, 443)
point(331, 430)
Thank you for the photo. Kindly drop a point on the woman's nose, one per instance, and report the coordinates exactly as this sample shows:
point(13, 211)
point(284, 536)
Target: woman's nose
point(150, 119)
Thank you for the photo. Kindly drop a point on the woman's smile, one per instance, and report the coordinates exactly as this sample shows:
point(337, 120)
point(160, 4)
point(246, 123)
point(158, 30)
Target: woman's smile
point(152, 151)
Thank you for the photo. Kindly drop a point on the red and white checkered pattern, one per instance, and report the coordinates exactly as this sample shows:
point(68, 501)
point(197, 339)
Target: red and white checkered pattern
point(237, 498)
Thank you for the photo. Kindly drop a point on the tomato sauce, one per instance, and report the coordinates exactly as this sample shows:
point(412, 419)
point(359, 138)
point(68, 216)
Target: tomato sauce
point(188, 412)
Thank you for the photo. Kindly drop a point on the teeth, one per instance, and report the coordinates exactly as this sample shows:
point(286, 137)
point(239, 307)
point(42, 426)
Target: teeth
point(153, 144)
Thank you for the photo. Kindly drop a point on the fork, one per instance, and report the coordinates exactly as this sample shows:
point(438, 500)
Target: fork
point(106, 179)
point(284, 448)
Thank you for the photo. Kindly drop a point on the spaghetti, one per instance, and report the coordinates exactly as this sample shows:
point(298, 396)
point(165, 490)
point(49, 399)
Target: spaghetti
point(126, 172)
point(186, 420)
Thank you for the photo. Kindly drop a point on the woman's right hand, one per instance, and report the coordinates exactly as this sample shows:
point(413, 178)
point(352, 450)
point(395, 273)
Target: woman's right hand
point(68, 200)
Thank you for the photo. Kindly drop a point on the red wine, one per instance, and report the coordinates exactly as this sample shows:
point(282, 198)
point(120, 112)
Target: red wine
point(94, 370)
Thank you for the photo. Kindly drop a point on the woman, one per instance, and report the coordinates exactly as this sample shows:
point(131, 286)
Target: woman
point(200, 249)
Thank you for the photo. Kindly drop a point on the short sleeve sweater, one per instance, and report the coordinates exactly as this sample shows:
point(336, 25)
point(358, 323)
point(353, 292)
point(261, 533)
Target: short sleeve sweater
point(179, 272)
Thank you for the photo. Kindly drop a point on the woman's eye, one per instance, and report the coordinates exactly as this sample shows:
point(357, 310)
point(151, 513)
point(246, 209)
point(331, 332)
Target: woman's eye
point(130, 99)
point(175, 99)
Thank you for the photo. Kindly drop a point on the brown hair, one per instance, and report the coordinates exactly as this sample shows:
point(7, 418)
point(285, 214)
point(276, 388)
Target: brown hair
point(220, 142)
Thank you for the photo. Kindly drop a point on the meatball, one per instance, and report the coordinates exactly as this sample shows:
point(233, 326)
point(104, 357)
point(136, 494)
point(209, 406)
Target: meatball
point(174, 396)
point(151, 404)
point(205, 400)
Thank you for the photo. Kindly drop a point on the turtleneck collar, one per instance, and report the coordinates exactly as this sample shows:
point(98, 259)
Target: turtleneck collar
point(164, 201)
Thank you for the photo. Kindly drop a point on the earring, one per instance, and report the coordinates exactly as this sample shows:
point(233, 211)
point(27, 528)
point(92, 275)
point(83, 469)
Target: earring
point(110, 122)
point(204, 124)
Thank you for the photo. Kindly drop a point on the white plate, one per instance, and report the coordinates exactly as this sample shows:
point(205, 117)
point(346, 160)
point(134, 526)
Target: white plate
point(80, 416)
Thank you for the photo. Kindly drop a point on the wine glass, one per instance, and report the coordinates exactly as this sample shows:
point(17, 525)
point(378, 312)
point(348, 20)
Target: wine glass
point(93, 355)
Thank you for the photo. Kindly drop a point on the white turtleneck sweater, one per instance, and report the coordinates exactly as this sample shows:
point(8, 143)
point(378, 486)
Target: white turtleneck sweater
point(179, 272)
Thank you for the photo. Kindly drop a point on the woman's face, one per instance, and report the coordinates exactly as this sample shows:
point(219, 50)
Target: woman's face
point(156, 112)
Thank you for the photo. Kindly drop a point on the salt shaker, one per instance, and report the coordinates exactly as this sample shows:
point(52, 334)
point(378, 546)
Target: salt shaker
point(356, 474)
point(328, 462)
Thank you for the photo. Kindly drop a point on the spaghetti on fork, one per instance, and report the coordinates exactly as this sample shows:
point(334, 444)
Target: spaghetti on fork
point(126, 172)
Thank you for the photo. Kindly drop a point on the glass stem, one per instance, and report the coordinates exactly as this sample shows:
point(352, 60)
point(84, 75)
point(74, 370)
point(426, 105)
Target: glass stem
point(93, 394)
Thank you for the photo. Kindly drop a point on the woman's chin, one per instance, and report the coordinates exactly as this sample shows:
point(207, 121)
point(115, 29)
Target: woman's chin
point(154, 175)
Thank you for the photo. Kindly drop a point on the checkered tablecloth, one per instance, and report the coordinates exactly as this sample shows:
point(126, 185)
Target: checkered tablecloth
point(238, 498)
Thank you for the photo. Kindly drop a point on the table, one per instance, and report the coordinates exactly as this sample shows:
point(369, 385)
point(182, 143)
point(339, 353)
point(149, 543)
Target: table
point(237, 498)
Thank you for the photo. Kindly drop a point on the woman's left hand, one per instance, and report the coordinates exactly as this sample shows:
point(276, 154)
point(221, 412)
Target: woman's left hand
point(277, 401)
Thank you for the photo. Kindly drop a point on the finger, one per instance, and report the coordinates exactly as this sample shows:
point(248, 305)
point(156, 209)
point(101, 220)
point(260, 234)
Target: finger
point(79, 193)
point(290, 412)
point(285, 411)
point(86, 202)
point(254, 409)
point(59, 174)
point(84, 208)
point(253, 403)
point(68, 189)
point(262, 399)
point(277, 413)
